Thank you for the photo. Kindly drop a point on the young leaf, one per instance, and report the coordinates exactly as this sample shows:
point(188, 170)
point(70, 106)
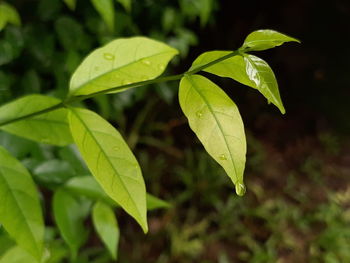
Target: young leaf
point(20, 211)
point(50, 127)
point(106, 9)
point(119, 63)
point(156, 203)
point(70, 3)
point(8, 14)
point(265, 39)
point(110, 161)
point(126, 4)
point(215, 119)
point(106, 226)
point(69, 218)
point(246, 69)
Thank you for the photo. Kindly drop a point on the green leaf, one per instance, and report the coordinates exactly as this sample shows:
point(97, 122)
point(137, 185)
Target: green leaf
point(50, 127)
point(88, 186)
point(106, 226)
point(121, 62)
point(106, 10)
point(265, 39)
point(246, 69)
point(8, 14)
point(215, 119)
point(69, 217)
point(17, 255)
point(110, 161)
point(70, 3)
point(126, 4)
point(20, 211)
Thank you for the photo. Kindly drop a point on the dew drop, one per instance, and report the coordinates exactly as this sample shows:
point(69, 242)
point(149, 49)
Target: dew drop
point(116, 148)
point(126, 82)
point(222, 157)
point(240, 189)
point(108, 56)
point(161, 67)
point(199, 114)
point(146, 62)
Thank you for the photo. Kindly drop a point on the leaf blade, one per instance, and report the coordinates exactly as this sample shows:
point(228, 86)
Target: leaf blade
point(20, 210)
point(265, 39)
point(106, 226)
point(111, 162)
point(215, 119)
point(51, 127)
point(121, 62)
point(106, 10)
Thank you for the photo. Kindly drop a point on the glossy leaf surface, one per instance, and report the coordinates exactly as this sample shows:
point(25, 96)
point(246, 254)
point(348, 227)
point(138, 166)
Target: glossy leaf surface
point(69, 218)
point(215, 119)
point(51, 127)
point(106, 10)
point(265, 39)
point(246, 69)
point(121, 62)
point(8, 14)
point(110, 161)
point(106, 226)
point(20, 211)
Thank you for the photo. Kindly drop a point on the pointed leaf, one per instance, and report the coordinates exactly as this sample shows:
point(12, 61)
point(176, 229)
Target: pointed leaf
point(20, 211)
point(106, 10)
point(69, 217)
point(246, 69)
point(8, 14)
point(215, 119)
point(154, 202)
point(110, 161)
point(50, 127)
point(121, 62)
point(126, 4)
point(70, 3)
point(265, 39)
point(106, 226)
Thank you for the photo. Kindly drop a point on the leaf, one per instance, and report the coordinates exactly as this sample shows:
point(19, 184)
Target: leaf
point(69, 217)
point(88, 186)
point(126, 4)
point(265, 39)
point(17, 255)
point(20, 210)
point(51, 127)
point(215, 119)
point(106, 10)
point(8, 14)
point(106, 226)
point(110, 161)
point(246, 69)
point(121, 62)
point(70, 3)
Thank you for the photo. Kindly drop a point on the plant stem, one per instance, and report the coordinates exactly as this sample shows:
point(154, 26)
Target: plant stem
point(127, 86)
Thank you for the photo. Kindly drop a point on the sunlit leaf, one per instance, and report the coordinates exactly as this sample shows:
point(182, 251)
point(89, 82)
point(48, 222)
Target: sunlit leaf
point(50, 127)
point(121, 62)
point(17, 255)
point(69, 217)
point(106, 10)
point(246, 69)
point(106, 226)
point(70, 3)
point(215, 119)
point(20, 211)
point(8, 14)
point(265, 39)
point(110, 161)
point(126, 4)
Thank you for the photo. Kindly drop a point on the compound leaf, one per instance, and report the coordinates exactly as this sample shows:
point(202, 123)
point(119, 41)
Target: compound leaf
point(265, 39)
point(50, 127)
point(215, 119)
point(119, 63)
point(106, 10)
point(106, 226)
point(20, 210)
point(110, 161)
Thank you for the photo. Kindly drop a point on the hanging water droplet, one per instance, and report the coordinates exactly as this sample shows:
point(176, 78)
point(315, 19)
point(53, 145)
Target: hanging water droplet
point(146, 62)
point(199, 114)
point(240, 189)
point(223, 157)
point(108, 56)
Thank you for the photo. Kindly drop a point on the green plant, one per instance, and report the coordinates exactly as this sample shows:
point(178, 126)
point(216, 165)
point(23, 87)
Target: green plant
point(118, 66)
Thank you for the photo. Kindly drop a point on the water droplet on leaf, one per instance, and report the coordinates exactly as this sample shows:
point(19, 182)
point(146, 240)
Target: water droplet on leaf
point(96, 68)
point(108, 56)
point(146, 62)
point(126, 82)
point(240, 189)
point(161, 67)
point(199, 114)
point(222, 157)
point(116, 148)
